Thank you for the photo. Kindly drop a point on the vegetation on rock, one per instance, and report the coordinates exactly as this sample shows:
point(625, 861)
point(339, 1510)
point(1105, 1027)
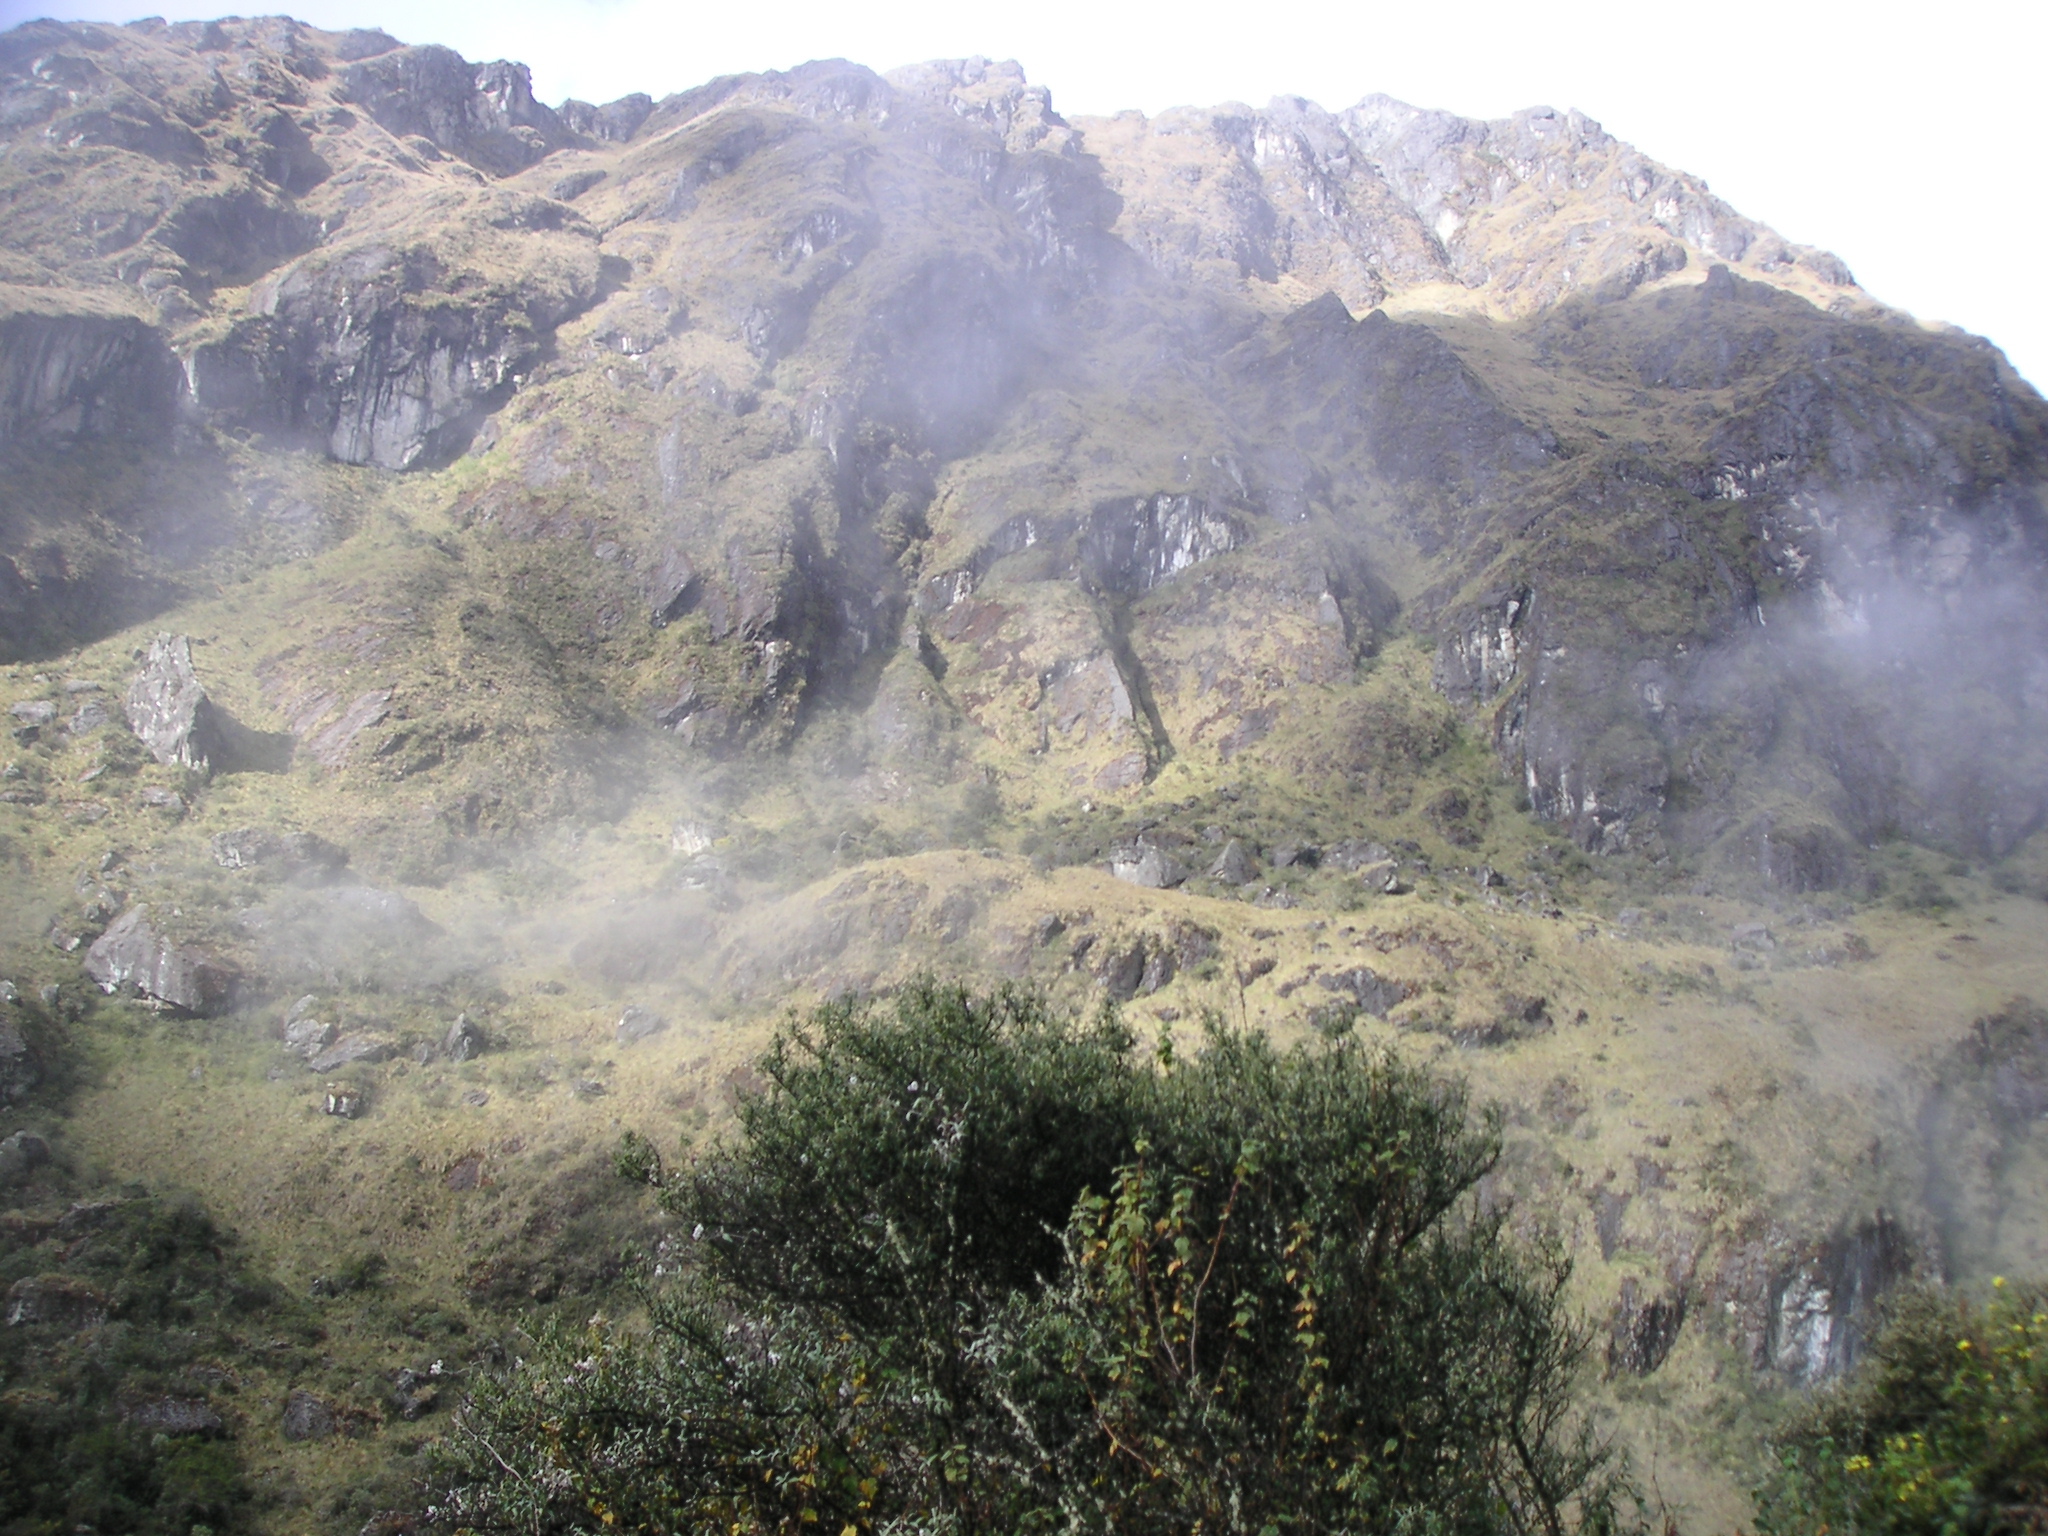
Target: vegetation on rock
point(1942, 1428)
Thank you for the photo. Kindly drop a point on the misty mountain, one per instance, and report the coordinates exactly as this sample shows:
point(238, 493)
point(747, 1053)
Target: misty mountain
point(565, 582)
point(1113, 433)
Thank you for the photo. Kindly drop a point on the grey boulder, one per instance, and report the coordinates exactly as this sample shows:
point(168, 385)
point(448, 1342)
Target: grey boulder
point(463, 1040)
point(1152, 868)
point(169, 710)
point(1234, 865)
point(350, 1049)
point(132, 953)
point(308, 1037)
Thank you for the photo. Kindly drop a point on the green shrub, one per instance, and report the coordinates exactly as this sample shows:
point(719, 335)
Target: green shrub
point(968, 1266)
point(1942, 1427)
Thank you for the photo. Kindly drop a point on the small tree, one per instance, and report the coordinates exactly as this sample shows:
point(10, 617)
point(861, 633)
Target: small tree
point(967, 1266)
point(1289, 1314)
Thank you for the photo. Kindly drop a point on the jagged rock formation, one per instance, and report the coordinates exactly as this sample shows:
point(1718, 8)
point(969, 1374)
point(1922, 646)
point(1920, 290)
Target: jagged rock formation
point(1068, 449)
point(168, 708)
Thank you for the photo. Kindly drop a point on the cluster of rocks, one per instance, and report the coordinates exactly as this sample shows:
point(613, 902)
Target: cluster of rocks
point(326, 1048)
point(1137, 965)
point(1239, 865)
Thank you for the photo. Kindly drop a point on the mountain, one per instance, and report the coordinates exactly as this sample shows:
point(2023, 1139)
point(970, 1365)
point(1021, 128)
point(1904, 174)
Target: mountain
point(610, 571)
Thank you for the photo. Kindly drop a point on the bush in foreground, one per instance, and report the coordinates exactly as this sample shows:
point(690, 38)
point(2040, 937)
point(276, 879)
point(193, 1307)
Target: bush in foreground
point(1942, 1428)
point(967, 1265)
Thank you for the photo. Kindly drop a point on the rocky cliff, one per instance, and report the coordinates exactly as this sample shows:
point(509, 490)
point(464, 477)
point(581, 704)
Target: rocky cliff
point(801, 379)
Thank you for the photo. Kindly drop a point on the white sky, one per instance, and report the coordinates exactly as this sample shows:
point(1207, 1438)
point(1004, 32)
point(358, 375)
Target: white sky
point(1890, 134)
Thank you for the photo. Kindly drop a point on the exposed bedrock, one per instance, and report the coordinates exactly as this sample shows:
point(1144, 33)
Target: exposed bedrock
point(363, 351)
point(1790, 743)
point(1804, 1310)
point(483, 113)
point(1823, 632)
point(65, 376)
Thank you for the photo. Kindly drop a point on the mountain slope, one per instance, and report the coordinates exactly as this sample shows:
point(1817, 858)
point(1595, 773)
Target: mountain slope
point(1364, 569)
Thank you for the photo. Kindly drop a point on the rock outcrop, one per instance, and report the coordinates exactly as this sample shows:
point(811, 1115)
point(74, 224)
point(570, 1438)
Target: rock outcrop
point(169, 711)
point(132, 954)
point(83, 374)
point(483, 113)
point(362, 350)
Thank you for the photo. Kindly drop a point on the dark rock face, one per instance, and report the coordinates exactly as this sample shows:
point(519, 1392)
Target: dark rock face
point(1829, 586)
point(168, 708)
point(1981, 1131)
point(21, 1155)
point(484, 113)
point(132, 954)
point(1642, 1329)
point(1804, 1311)
point(1822, 1313)
point(68, 376)
point(362, 352)
point(1481, 657)
point(19, 1069)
